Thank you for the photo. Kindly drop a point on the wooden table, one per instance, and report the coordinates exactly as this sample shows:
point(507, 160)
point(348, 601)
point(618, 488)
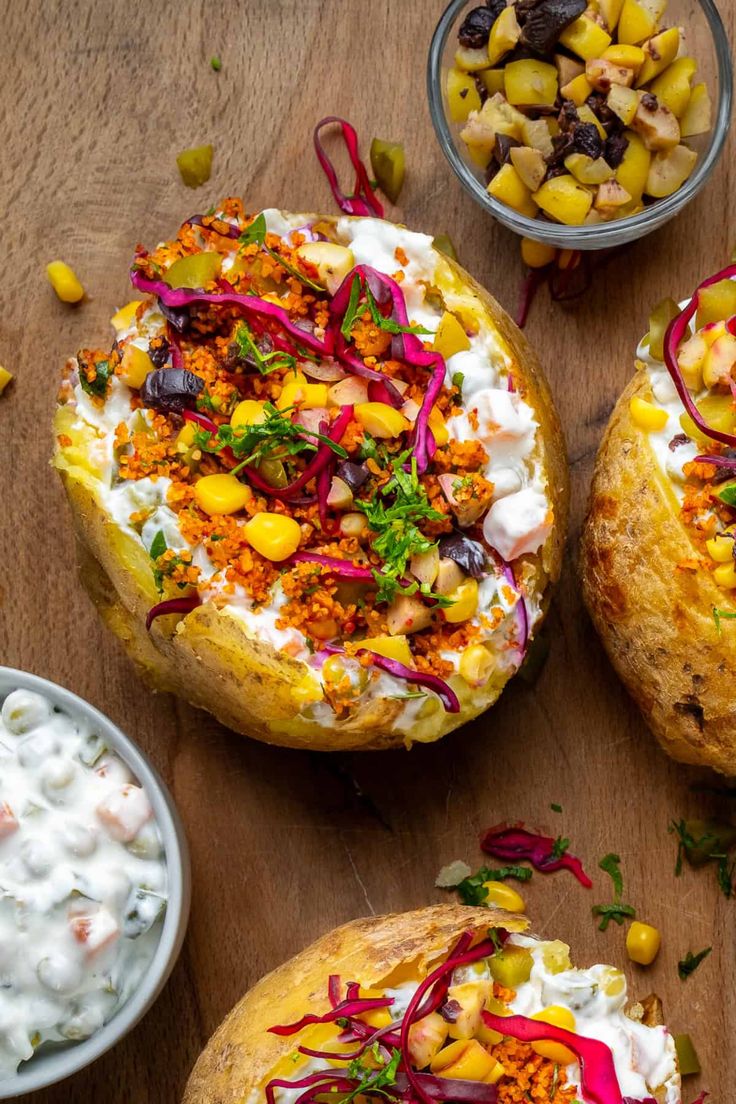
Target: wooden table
point(97, 99)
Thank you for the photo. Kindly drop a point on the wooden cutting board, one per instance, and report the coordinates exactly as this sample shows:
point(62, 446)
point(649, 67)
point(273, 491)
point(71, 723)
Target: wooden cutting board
point(97, 99)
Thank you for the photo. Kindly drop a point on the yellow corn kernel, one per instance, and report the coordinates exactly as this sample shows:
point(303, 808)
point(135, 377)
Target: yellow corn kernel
point(221, 494)
point(391, 647)
point(248, 413)
point(307, 395)
point(65, 282)
point(721, 547)
point(476, 664)
point(380, 420)
point(536, 254)
point(378, 1017)
point(647, 415)
point(558, 1016)
point(725, 576)
point(500, 895)
point(451, 337)
point(464, 602)
point(185, 437)
point(466, 1060)
point(436, 423)
point(135, 366)
point(275, 536)
point(508, 187)
point(123, 318)
point(585, 38)
point(5, 378)
point(643, 943)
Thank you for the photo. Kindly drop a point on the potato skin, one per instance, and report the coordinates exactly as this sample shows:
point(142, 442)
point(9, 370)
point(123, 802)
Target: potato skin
point(241, 1055)
point(656, 622)
point(208, 658)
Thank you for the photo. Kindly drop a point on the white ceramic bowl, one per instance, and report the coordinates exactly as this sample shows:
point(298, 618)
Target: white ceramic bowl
point(55, 1062)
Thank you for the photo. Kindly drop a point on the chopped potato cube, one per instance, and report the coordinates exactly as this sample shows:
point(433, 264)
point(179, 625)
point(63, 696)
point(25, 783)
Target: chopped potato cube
point(529, 164)
point(508, 187)
point(462, 95)
point(585, 38)
point(504, 35)
point(669, 170)
point(657, 126)
point(659, 52)
point(696, 118)
point(530, 82)
point(672, 87)
point(635, 23)
point(563, 199)
point(633, 171)
point(577, 90)
point(623, 102)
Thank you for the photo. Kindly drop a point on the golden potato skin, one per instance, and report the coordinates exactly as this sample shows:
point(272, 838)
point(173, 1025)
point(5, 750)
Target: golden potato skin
point(656, 622)
point(241, 1055)
point(207, 656)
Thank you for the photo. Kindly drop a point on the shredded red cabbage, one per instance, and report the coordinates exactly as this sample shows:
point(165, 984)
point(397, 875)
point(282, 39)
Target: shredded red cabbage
point(343, 569)
point(514, 844)
point(718, 461)
point(598, 1081)
point(345, 1009)
point(249, 304)
point(676, 331)
point(529, 288)
point(321, 458)
point(522, 614)
point(444, 692)
point(365, 201)
point(172, 605)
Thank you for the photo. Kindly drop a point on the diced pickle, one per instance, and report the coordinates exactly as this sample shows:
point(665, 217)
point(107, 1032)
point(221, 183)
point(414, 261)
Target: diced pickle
point(687, 1058)
point(659, 320)
point(195, 165)
point(389, 165)
point(195, 271)
point(511, 966)
point(142, 911)
point(716, 302)
point(717, 411)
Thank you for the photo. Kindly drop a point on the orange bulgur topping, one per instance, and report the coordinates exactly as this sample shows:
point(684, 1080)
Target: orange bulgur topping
point(236, 358)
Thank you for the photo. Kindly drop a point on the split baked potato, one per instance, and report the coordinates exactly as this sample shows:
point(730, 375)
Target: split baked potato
point(318, 484)
point(658, 569)
point(501, 1007)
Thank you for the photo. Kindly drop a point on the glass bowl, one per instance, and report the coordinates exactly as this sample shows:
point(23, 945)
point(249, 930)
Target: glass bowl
point(54, 1062)
point(708, 44)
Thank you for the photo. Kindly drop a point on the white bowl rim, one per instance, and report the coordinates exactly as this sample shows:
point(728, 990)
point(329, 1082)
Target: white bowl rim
point(54, 1065)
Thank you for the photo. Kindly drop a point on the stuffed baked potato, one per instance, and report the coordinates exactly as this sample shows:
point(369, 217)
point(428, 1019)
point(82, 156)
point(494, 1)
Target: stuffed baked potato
point(443, 1004)
point(658, 548)
point(318, 484)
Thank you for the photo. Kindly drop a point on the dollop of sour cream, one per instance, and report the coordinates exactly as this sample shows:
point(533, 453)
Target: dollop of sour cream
point(83, 879)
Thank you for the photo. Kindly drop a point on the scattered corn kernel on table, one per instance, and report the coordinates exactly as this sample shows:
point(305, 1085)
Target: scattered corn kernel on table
point(97, 101)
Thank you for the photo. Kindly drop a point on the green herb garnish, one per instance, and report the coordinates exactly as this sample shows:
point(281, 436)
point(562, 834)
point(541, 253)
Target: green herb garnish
point(610, 863)
point(722, 615)
point(97, 386)
point(215, 63)
point(255, 234)
point(559, 847)
point(264, 362)
point(472, 889)
point(727, 494)
point(394, 514)
point(355, 308)
point(371, 1080)
point(689, 964)
point(458, 378)
point(253, 443)
point(158, 545)
point(555, 807)
point(616, 912)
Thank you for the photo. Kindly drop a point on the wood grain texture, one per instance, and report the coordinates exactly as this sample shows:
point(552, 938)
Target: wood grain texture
point(96, 101)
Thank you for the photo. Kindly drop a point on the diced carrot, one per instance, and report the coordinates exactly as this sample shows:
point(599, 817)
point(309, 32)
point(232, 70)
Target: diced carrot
point(8, 823)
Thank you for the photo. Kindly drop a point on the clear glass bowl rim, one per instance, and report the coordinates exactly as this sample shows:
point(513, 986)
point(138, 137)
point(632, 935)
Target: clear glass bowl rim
point(601, 235)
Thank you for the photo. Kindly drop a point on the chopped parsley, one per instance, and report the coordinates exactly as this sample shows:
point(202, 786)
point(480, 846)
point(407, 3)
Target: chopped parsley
point(616, 912)
point(458, 378)
point(215, 63)
point(559, 847)
point(689, 964)
point(373, 1078)
point(253, 443)
point(265, 362)
point(555, 807)
point(158, 545)
point(355, 308)
point(702, 842)
point(610, 863)
point(722, 615)
point(255, 234)
point(472, 889)
point(102, 372)
point(394, 514)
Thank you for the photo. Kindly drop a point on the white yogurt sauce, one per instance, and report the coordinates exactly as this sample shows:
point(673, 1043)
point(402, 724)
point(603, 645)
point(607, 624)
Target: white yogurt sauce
point(83, 880)
point(517, 521)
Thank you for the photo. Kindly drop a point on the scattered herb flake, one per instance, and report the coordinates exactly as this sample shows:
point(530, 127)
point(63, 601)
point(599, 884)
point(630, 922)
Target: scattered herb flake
point(689, 964)
point(458, 378)
point(722, 615)
point(555, 808)
point(158, 545)
point(472, 889)
point(616, 912)
point(559, 847)
point(610, 863)
point(215, 63)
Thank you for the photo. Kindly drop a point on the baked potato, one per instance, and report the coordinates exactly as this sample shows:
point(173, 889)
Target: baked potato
point(445, 1003)
point(658, 569)
point(318, 483)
